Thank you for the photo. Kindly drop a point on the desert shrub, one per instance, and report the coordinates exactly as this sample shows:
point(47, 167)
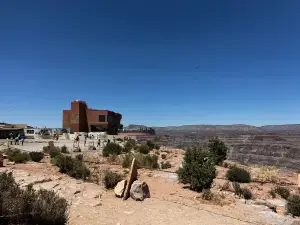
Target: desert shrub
point(293, 205)
point(36, 156)
point(127, 160)
point(112, 149)
point(119, 139)
point(113, 159)
point(246, 193)
point(237, 188)
point(79, 157)
point(163, 156)
point(150, 144)
point(73, 167)
point(27, 206)
point(64, 149)
point(225, 186)
point(143, 161)
point(281, 191)
point(130, 144)
point(17, 156)
point(238, 175)
point(165, 165)
point(268, 173)
point(157, 147)
point(218, 150)
point(198, 170)
point(272, 193)
point(207, 195)
point(144, 149)
point(111, 179)
point(157, 152)
point(225, 164)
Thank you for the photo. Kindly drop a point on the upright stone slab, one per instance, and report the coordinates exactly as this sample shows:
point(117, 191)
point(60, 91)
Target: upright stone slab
point(1, 160)
point(132, 177)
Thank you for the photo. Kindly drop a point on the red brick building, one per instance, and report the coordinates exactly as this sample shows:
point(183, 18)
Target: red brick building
point(83, 119)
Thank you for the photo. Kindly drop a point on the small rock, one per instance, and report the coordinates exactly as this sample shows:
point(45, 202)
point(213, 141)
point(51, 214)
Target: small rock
point(10, 163)
point(139, 191)
point(120, 188)
point(77, 192)
point(98, 204)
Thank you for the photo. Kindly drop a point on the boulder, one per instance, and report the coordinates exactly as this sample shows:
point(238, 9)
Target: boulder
point(132, 177)
point(120, 188)
point(139, 191)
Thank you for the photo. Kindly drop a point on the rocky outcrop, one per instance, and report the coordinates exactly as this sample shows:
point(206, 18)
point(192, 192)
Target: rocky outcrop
point(120, 188)
point(139, 191)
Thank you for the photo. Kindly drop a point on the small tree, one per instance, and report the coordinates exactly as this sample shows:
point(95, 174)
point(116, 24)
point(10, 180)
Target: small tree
point(198, 169)
point(151, 144)
point(293, 205)
point(218, 150)
point(144, 149)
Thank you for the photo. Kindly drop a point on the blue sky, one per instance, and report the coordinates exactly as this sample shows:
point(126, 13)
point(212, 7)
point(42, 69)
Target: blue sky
point(156, 62)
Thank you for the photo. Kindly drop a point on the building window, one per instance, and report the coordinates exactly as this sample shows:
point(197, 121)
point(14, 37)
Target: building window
point(101, 118)
point(30, 131)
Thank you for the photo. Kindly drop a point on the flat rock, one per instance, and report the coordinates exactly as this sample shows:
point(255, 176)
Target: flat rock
point(120, 188)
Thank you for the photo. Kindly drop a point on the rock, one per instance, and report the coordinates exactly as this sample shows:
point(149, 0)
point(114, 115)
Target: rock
point(10, 163)
point(120, 188)
point(132, 177)
point(139, 191)
point(1, 160)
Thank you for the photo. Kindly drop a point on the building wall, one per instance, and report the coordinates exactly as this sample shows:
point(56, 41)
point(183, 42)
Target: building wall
point(80, 118)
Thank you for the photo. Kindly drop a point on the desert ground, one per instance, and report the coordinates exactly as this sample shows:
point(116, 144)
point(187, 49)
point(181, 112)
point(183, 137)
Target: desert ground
point(170, 202)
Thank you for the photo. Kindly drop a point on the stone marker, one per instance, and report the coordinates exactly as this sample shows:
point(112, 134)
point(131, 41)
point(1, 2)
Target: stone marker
point(120, 188)
point(132, 177)
point(139, 191)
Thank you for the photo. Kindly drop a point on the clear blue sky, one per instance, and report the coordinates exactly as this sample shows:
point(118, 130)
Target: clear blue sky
point(156, 62)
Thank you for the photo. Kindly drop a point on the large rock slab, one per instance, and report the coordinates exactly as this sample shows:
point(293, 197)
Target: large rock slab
point(120, 188)
point(132, 177)
point(139, 191)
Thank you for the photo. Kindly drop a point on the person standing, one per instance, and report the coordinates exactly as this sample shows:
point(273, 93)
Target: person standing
point(22, 139)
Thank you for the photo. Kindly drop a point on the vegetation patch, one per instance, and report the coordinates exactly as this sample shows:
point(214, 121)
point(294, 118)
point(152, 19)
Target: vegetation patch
point(112, 149)
point(293, 205)
point(36, 156)
point(281, 191)
point(29, 206)
point(17, 156)
point(198, 169)
point(237, 174)
point(64, 149)
point(143, 161)
point(218, 150)
point(130, 144)
point(74, 167)
point(111, 179)
point(165, 165)
point(144, 149)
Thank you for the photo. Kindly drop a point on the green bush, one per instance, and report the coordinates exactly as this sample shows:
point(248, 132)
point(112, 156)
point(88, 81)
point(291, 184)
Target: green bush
point(150, 144)
point(218, 150)
point(73, 167)
point(157, 147)
point(281, 191)
point(157, 152)
point(130, 144)
point(143, 161)
point(246, 193)
point(64, 149)
point(198, 169)
point(27, 206)
point(111, 179)
point(165, 165)
point(272, 193)
point(79, 157)
point(293, 205)
point(36, 156)
point(112, 149)
point(144, 149)
point(51, 149)
point(17, 156)
point(237, 188)
point(163, 156)
point(238, 175)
